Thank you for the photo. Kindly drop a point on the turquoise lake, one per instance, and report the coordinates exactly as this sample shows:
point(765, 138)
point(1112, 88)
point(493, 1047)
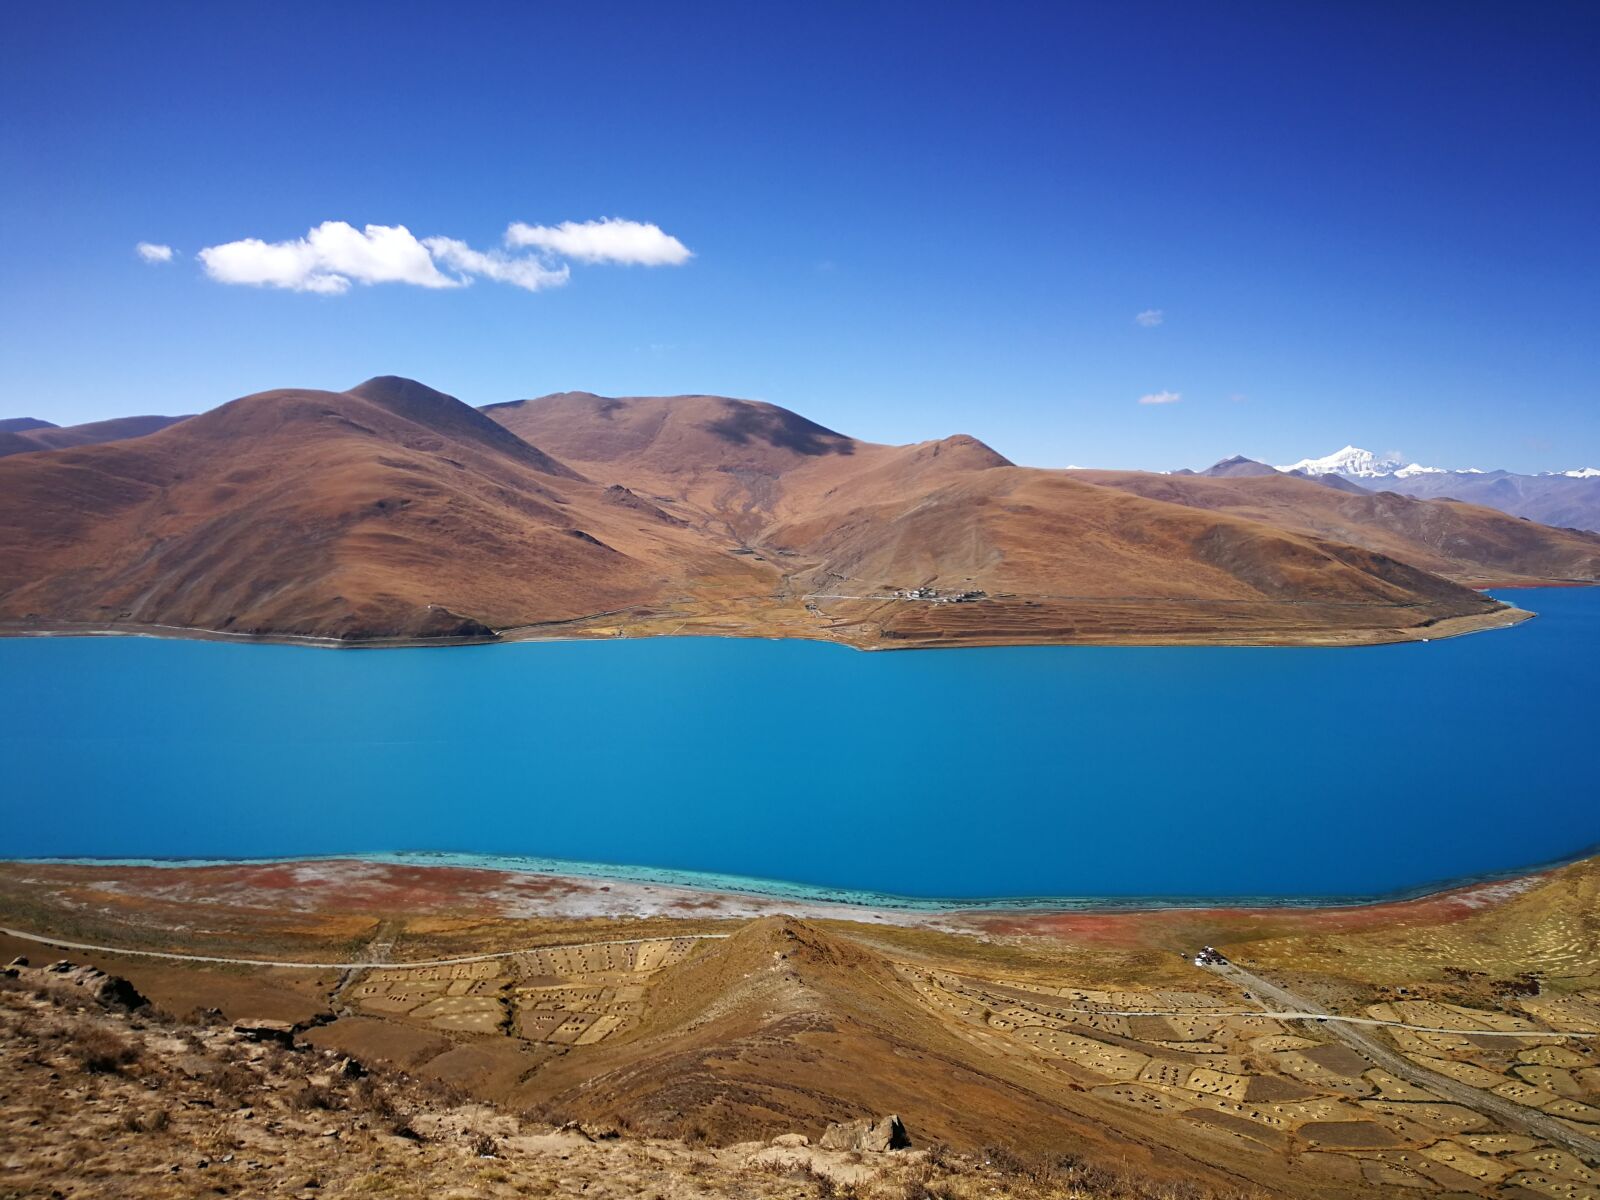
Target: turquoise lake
point(1037, 771)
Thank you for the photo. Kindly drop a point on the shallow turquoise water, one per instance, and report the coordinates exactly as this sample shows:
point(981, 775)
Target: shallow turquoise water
point(1009, 772)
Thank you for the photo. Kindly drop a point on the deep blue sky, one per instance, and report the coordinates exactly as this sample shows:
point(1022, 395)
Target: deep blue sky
point(1361, 222)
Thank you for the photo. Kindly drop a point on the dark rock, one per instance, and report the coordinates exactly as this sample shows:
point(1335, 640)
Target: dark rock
point(279, 1032)
point(349, 1068)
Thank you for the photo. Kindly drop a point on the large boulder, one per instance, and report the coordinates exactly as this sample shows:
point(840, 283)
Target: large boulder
point(108, 991)
point(886, 1133)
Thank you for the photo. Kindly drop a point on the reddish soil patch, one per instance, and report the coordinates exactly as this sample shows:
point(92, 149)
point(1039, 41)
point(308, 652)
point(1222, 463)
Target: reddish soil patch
point(1168, 927)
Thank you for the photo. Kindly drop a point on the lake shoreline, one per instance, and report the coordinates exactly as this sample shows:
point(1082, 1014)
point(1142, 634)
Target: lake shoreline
point(658, 891)
point(572, 630)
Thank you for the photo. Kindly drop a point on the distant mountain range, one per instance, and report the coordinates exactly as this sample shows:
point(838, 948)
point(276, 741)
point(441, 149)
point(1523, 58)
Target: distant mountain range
point(395, 512)
point(22, 435)
point(1567, 499)
point(1354, 462)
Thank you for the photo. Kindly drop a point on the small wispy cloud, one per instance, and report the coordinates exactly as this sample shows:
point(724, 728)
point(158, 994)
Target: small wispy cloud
point(1161, 398)
point(334, 255)
point(153, 252)
point(1150, 318)
point(524, 272)
point(611, 240)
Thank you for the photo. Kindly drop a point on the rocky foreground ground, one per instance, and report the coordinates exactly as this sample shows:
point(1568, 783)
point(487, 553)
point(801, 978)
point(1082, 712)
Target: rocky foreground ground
point(105, 1097)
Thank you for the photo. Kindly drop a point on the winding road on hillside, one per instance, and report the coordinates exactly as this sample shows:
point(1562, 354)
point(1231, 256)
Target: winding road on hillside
point(1264, 993)
point(1296, 1009)
point(1509, 1113)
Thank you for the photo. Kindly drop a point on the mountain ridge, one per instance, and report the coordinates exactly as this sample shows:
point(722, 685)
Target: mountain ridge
point(24, 435)
point(392, 511)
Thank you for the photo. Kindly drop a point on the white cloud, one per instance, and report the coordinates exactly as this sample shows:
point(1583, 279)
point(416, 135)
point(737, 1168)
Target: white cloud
point(529, 273)
point(153, 252)
point(610, 240)
point(335, 254)
point(328, 259)
point(1161, 398)
point(1150, 318)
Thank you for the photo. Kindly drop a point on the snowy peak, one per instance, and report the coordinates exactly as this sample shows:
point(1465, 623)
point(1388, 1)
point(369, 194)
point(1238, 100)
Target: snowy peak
point(1569, 499)
point(1355, 463)
point(1351, 461)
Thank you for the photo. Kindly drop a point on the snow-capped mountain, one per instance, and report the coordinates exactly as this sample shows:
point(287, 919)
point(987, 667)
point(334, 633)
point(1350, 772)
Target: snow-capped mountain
point(1352, 460)
point(1419, 469)
point(1355, 463)
point(1566, 498)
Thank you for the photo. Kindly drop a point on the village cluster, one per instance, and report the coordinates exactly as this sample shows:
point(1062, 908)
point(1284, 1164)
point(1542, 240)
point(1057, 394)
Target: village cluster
point(934, 596)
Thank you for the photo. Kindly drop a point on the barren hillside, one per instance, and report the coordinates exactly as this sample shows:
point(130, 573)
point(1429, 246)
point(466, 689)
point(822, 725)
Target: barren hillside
point(392, 512)
point(23, 435)
point(1461, 541)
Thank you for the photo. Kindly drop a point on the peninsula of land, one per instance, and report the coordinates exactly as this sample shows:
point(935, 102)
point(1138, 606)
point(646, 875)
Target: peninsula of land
point(392, 514)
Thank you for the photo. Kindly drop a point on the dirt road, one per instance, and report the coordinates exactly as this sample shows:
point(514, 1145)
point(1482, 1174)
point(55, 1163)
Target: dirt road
point(1508, 1113)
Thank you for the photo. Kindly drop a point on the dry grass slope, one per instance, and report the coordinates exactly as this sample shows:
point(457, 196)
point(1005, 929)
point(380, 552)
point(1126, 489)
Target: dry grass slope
point(392, 512)
point(102, 1102)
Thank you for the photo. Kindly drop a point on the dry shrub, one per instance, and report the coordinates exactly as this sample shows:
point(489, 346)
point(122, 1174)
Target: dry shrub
point(544, 1113)
point(312, 1098)
point(442, 1091)
point(100, 1051)
point(919, 1182)
point(822, 1182)
point(1066, 1174)
point(236, 1083)
point(403, 1129)
point(371, 1096)
point(153, 1121)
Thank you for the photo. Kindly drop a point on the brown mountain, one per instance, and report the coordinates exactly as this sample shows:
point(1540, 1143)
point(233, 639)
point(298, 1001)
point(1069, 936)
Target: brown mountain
point(1062, 559)
point(390, 510)
point(21, 435)
point(395, 511)
point(1466, 542)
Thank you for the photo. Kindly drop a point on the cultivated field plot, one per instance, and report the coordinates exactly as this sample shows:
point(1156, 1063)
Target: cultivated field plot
point(1266, 1086)
point(561, 996)
point(1016, 619)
